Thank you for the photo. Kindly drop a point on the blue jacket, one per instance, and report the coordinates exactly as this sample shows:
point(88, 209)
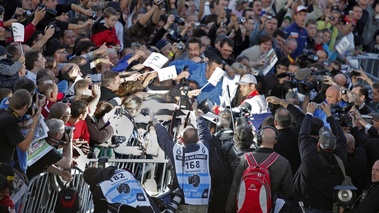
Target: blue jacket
point(321, 114)
point(197, 73)
point(300, 34)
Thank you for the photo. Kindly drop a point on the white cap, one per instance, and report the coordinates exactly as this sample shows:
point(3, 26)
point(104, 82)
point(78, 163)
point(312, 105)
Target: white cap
point(301, 8)
point(247, 79)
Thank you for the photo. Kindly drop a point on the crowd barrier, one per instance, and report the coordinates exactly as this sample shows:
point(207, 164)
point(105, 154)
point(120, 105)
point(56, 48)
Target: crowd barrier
point(43, 190)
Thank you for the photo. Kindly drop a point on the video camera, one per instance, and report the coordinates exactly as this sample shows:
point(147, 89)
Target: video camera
point(307, 57)
point(341, 114)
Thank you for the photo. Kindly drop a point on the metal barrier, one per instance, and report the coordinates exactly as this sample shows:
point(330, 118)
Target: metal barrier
point(154, 170)
point(43, 189)
point(43, 192)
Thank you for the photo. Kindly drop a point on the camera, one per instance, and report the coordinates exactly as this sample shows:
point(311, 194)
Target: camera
point(308, 57)
point(341, 114)
point(123, 188)
point(180, 46)
point(196, 24)
point(354, 73)
point(145, 111)
point(194, 180)
point(331, 18)
point(69, 129)
point(54, 26)
point(175, 36)
point(50, 12)
point(93, 16)
point(118, 139)
point(175, 202)
point(227, 10)
point(179, 20)
point(241, 20)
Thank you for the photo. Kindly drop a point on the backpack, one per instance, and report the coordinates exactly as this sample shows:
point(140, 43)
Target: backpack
point(68, 200)
point(254, 193)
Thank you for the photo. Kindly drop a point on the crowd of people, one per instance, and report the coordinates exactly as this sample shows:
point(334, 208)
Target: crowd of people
point(288, 80)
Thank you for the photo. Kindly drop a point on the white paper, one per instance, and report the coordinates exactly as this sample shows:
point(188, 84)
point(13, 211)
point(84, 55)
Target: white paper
point(210, 117)
point(155, 61)
point(216, 76)
point(343, 45)
point(167, 73)
point(37, 150)
point(270, 60)
point(18, 32)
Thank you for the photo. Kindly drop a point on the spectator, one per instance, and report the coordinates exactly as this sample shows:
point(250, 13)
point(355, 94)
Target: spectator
point(297, 31)
point(79, 112)
point(61, 111)
point(106, 33)
point(98, 125)
point(110, 82)
point(50, 90)
point(34, 62)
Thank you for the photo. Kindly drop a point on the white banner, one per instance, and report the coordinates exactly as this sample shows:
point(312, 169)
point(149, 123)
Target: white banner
point(155, 61)
point(216, 76)
point(18, 32)
point(167, 73)
point(343, 45)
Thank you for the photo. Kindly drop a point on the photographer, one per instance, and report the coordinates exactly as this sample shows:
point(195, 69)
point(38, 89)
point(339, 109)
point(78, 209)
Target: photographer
point(54, 161)
point(192, 174)
point(369, 201)
point(317, 144)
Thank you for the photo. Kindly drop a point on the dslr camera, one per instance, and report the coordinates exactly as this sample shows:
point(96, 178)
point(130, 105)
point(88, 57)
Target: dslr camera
point(50, 12)
point(179, 20)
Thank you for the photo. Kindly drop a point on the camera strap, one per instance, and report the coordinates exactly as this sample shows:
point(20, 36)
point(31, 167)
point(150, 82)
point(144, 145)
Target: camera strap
point(347, 179)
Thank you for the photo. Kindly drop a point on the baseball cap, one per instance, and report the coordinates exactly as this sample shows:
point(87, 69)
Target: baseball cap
point(327, 140)
point(247, 79)
point(161, 43)
point(301, 8)
point(4, 51)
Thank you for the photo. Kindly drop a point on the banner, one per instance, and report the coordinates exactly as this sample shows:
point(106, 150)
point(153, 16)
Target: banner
point(155, 61)
point(343, 45)
point(216, 76)
point(167, 73)
point(18, 32)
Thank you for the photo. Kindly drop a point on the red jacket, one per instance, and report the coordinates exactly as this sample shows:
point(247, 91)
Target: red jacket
point(103, 34)
point(81, 130)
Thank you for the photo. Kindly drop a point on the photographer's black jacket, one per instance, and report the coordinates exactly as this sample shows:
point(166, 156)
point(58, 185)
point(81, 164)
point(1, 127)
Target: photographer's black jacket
point(319, 171)
point(370, 204)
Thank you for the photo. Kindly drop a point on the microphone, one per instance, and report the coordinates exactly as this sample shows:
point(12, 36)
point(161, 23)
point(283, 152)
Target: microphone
point(303, 74)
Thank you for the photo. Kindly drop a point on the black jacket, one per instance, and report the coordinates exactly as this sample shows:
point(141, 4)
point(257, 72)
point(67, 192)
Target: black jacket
point(319, 171)
point(287, 145)
point(370, 204)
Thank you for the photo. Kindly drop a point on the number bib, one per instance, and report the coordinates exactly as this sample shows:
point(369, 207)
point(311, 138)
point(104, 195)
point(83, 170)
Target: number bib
point(124, 188)
point(193, 177)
